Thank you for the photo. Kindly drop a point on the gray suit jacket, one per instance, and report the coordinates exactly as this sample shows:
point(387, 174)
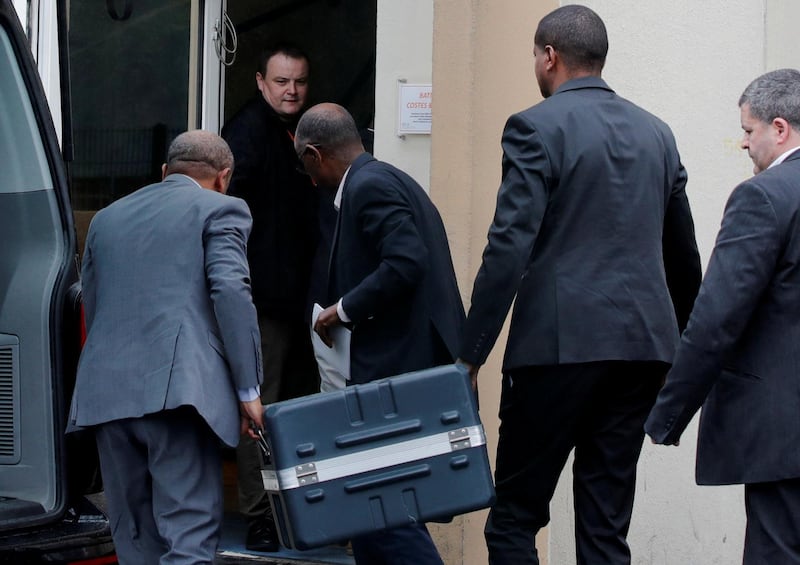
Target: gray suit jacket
point(740, 352)
point(170, 319)
point(592, 233)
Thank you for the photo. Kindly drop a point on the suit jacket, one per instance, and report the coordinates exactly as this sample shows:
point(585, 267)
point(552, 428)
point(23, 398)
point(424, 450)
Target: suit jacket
point(391, 265)
point(170, 320)
point(740, 350)
point(284, 206)
point(592, 233)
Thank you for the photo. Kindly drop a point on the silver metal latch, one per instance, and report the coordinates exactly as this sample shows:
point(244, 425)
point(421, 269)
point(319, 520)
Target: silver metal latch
point(270, 480)
point(459, 439)
point(306, 474)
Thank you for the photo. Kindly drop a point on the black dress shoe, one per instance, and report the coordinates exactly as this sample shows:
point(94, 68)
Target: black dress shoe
point(262, 535)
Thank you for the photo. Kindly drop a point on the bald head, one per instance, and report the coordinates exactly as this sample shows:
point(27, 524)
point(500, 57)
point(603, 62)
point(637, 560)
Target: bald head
point(332, 128)
point(201, 155)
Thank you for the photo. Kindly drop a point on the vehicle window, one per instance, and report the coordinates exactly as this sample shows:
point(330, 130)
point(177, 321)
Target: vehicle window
point(22, 155)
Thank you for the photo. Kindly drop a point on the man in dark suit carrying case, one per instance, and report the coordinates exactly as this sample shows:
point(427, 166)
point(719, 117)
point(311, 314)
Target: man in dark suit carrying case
point(593, 239)
point(391, 280)
point(739, 355)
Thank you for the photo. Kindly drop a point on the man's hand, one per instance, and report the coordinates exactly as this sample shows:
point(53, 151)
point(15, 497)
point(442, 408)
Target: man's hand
point(252, 413)
point(676, 443)
point(473, 373)
point(327, 318)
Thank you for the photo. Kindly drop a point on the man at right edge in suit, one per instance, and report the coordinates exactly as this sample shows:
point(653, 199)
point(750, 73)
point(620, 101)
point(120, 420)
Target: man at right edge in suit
point(594, 241)
point(739, 354)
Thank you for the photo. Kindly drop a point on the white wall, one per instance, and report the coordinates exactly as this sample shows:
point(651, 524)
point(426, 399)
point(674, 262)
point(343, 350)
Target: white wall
point(781, 44)
point(21, 6)
point(687, 62)
point(404, 51)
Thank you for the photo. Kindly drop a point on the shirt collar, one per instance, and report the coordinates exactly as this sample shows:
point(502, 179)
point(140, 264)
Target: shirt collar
point(186, 177)
point(337, 200)
point(783, 157)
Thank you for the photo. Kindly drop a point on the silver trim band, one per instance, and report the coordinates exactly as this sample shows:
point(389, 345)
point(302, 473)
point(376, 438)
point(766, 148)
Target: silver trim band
point(373, 459)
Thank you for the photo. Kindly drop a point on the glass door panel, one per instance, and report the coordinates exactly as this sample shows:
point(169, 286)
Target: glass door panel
point(130, 69)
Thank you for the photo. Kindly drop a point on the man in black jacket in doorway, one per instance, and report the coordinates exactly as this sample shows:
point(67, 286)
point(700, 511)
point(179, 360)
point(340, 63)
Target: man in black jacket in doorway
point(281, 248)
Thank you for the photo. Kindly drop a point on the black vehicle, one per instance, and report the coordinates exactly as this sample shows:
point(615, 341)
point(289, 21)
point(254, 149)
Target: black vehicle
point(47, 512)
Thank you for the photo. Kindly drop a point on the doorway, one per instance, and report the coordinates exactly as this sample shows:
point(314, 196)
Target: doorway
point(338, 35)
point(142, 71)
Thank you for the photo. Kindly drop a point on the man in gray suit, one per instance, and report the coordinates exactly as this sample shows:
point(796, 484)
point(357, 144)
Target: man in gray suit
point(172, 341)
point(739, 354)
point(593, 236)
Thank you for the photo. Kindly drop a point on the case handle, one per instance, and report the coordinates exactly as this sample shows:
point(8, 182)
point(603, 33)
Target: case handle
point(376, 434)
point(388, 478)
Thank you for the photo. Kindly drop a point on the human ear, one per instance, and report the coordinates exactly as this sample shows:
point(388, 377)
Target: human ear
point(782, 129)
point(222, 179)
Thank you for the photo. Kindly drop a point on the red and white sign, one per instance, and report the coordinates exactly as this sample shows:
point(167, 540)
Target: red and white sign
point(416, 108)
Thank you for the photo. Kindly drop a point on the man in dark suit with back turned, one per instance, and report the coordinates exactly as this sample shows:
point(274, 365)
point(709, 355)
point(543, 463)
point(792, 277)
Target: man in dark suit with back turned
point(593, 235)
point(739, 355)
point(172, 342)
point(391, 280)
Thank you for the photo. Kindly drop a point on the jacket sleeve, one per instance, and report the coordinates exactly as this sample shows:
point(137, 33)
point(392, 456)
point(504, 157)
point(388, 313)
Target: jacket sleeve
point(521, 204)
point(228, 278)
point(739, 272)
point(681, 258)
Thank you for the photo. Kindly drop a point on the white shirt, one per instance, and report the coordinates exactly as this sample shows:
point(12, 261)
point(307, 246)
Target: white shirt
point(783, 157)
point(337, 203)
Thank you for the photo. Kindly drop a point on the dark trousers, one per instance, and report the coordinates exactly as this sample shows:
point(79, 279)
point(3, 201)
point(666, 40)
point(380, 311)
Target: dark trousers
point(408, 545)
point(290, 371)
point(773, 523)
point(597, 409)
point(163, 484)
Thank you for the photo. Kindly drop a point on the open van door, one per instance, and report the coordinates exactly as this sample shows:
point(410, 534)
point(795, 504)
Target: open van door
point(41, 518)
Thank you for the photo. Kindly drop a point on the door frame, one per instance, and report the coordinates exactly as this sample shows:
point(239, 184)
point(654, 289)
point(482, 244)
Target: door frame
point(212, 82)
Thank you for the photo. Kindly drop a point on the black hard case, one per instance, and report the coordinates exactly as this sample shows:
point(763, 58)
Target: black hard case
point(388, 453)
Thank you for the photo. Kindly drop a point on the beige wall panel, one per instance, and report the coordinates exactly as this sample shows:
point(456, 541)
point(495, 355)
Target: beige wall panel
point(482, 72)
point(685, 61)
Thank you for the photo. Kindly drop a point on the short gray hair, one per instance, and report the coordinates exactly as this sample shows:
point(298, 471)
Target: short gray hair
point(775, 94)
point(199, 152)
